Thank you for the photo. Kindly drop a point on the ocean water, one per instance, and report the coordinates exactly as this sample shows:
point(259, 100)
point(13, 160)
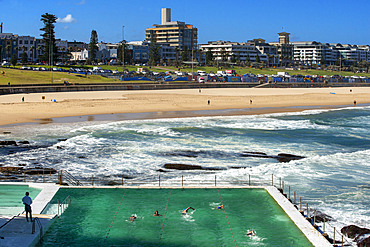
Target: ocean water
point(333, 178)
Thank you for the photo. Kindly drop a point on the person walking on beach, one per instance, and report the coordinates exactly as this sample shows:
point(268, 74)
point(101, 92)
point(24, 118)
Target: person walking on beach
point(354, 103)
point(27, 201)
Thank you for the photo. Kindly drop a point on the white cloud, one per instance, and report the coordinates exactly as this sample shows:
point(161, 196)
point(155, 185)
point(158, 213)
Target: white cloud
point(67, 19)
point(82, 2)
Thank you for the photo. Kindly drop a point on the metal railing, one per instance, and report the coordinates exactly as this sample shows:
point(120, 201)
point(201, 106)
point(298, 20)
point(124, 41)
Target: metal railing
point(63, 205)
point(40, 227)
point(65, 178)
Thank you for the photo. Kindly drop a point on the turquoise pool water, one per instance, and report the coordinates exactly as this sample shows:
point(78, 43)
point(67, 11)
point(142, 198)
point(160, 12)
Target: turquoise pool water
point(11, 198)
point(100, 217)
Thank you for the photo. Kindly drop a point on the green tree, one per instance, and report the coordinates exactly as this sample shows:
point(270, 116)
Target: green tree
point(32, 50)
point(177, 56)
point(185, 54)
point(258, 58)
point(48, 37)
point(8, 51)
point(209, 57)
point(233, 58)
point(223, 54)
point(13, 60)
point(238, 57)
point(24, 56)
point(123, 50)
point(154, 56)
point(39, 49)
point(93, 48)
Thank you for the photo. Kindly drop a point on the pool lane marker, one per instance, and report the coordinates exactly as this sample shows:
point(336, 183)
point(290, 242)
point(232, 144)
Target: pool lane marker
point(222, 203)
point(115, 214)
point(164, 216)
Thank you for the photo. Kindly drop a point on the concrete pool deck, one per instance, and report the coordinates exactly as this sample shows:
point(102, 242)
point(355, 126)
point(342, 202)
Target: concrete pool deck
point(18, 232)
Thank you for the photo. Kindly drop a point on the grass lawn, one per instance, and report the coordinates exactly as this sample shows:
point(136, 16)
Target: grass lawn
point(15, 76)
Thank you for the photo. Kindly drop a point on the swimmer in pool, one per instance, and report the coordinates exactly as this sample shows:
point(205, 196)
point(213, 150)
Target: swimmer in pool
point(251, 233)
point(132, 218)
point(220, 207)
point(185, 211)
point(156, 214)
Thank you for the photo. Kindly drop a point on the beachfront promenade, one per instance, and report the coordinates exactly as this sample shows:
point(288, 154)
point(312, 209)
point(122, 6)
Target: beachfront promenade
point(41, 88)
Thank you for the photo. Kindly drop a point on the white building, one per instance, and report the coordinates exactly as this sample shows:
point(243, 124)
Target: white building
point(80, 55)
point(225, 50)
point(27, 44)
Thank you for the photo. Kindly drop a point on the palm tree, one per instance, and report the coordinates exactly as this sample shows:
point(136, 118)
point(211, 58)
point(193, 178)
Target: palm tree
point(8, 50)
point(1, 53)
point(63, 49)
point(32, 49)
point(39, 48)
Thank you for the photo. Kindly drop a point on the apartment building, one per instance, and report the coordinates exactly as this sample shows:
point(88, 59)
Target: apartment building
point(284, 49)
point(173, 33)
point(140, 51)
point(27, 44)
point(225, 50)
point(312, 52)
point(8, 45)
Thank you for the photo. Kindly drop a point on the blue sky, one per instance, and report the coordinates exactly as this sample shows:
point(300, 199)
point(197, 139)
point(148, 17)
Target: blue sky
point(339, 21)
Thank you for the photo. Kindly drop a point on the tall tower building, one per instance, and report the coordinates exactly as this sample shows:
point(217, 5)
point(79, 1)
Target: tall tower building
point(166, 15)
point(173, 33)
point(284, 38)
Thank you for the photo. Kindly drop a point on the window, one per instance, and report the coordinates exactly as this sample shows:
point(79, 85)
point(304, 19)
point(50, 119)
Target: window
point(20, 42)
point(26, 42)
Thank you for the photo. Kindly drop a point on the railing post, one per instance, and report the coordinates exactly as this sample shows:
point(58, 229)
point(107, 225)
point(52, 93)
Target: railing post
point(249, 180)
point(122, 180)
point(283, 186)
point(300, 203)
point(314, 217)
point(60, 177)
point(272, 179)
point(24, 176)
point(159, 180)
point(307, 209)
point(215, 180)
point(289, 192)
point(323, 228)
point(43, 174)
point(280, 182)
point(182, 181)
point(334, 237)
point(92, 180)
point(294, 198)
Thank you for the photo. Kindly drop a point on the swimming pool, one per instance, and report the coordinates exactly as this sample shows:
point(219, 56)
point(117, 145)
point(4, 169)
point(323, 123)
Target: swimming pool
point(11, 198)
point(100, 217)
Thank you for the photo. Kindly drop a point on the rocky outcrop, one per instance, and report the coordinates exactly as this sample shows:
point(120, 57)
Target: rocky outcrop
point(282, 157)
point(360, 235)
point(30, 171)
point(8, 143)
point(189, 167)
point(320, 216)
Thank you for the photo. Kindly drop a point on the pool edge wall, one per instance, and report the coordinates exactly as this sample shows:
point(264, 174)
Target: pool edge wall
point(306, 228)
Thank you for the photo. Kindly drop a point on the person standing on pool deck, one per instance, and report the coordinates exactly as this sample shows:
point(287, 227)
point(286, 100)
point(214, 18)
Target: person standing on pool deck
point(27, 201)
point(185, 211)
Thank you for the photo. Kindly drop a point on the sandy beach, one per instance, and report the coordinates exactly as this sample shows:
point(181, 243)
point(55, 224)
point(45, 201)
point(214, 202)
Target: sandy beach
point(248, 100)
